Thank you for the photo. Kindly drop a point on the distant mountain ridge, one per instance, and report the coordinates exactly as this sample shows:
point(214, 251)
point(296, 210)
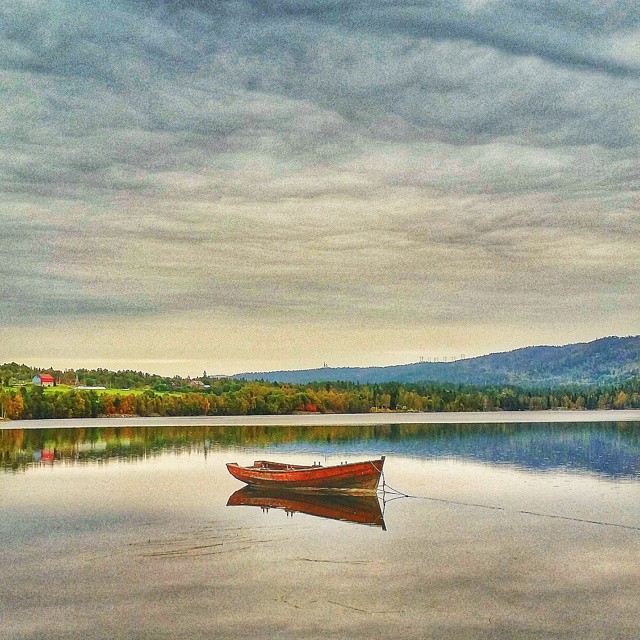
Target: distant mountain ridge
point(609, 359)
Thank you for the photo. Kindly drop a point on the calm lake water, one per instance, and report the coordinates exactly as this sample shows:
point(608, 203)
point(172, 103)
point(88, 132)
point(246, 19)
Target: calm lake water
point(515, 531)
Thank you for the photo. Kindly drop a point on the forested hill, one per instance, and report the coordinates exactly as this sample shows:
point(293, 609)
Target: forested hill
point(605, 360)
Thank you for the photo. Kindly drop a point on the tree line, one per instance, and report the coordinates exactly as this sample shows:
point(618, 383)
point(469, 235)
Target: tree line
point(12, 373)
point(239, 397)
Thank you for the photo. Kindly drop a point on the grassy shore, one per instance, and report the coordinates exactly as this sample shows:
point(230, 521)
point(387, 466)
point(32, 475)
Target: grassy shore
point(60, 388)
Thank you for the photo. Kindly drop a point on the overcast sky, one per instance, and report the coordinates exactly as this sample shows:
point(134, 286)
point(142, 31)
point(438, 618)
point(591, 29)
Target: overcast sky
point(237, 186)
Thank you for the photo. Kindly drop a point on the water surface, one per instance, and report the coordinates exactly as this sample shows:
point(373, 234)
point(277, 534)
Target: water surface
point(516, 531)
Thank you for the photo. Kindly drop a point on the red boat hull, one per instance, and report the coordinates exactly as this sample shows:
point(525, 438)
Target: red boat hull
point(361, 477)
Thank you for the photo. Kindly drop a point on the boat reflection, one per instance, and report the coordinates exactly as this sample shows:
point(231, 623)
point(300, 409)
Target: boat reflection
point(361, 509)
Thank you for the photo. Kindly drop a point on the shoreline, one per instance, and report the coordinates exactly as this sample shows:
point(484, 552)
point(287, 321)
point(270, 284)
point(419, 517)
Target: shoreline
point(334, 419)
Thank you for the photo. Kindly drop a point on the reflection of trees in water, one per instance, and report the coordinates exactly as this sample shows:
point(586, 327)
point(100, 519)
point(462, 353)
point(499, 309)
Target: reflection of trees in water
point(605, 448)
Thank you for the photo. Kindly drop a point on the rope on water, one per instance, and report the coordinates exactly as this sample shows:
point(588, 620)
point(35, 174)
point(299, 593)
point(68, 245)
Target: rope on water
point(396, 494)
point(387, 488)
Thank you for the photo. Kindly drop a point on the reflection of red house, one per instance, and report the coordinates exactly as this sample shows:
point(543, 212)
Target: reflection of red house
point(47, 456)
point(43, 380)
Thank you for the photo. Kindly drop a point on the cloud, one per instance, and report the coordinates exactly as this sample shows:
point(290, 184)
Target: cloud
point(384, 161)
point(561, 31)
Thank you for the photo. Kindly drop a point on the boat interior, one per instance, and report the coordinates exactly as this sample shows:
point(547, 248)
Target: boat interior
point(266, 465)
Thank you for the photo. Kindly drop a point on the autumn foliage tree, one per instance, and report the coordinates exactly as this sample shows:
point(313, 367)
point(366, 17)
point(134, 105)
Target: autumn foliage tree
point(237, 397)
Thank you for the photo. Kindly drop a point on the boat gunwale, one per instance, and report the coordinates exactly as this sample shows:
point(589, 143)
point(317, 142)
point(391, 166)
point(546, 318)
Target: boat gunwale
point(306, 469)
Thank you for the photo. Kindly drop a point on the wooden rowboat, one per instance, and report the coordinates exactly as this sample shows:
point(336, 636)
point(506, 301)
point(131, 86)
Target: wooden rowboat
point(357, 477)
point(361, 509)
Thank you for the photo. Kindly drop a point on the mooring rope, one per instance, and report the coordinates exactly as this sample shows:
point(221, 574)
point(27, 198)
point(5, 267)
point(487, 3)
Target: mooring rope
point(387, 488)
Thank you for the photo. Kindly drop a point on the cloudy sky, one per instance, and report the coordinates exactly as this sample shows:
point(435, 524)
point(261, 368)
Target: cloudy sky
point(237, 186)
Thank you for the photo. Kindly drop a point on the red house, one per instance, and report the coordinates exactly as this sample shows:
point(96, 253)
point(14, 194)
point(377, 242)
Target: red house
point(43, 380)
